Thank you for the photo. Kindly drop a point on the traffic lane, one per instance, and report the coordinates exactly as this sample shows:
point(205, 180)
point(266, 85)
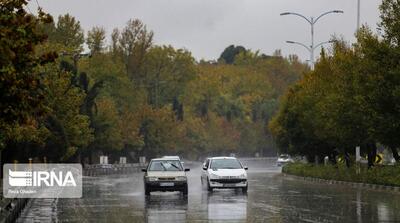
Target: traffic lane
point(121, 199)
point(274, 198)
point(173, 206)
point(199, 206)
point(271, 198)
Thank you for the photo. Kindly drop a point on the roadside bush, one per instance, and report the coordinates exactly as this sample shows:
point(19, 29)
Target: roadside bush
point(382, 175)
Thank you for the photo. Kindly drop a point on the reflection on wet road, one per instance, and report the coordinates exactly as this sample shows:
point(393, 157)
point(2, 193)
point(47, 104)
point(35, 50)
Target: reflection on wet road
point(271, 198)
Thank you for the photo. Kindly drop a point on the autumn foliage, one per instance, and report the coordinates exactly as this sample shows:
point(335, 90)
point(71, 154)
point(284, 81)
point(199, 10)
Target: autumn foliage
point(129, 98)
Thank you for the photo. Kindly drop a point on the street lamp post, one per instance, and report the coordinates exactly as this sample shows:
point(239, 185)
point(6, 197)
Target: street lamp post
point(358, 13)
point(308, 48)
point(312, 22)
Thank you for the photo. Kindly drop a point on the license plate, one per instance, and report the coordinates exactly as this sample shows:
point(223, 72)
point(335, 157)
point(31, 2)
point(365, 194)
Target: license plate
point(166, 184)
point(229, 185)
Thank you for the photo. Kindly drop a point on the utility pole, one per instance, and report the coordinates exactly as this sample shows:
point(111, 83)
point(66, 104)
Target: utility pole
point(358, 13)
point(312, 43)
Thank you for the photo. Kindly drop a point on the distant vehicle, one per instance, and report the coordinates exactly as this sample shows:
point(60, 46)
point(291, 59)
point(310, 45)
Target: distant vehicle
point(165, 174)
point(224, 172)
point(174, 157)
point(284, 159)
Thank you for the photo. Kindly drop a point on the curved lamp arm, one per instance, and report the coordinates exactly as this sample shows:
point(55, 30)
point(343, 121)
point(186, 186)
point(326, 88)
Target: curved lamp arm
point(320, 44)
point(326, 13)
point(301, 44)
point(297, 14)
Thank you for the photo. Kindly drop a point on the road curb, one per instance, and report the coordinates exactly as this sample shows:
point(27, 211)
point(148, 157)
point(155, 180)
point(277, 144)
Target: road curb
point(345, 183)
point(15, 207)
point(98, 170)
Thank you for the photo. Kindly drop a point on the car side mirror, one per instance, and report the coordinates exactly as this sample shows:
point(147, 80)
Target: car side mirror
point(187, 169)
point(144, 170)
point(245, 168)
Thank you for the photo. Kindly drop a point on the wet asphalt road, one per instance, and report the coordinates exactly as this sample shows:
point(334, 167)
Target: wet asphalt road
point(271, 198)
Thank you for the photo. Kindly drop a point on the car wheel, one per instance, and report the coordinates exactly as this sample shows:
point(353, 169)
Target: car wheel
point(185, 190)
point(146, 190)
point(209, 188)
point(244, 189)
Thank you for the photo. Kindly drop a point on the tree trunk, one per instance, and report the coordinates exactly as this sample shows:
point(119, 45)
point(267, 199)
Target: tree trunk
point(317, 160)
point(347, 159)
point(371, 154)
point(310, 158)
point(1, 164)
point(332, 158)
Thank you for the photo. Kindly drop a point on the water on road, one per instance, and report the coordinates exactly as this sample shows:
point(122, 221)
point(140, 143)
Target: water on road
point(271, 198)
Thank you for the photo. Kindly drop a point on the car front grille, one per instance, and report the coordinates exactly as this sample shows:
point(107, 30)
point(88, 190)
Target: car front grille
point(228, 181)
point(166, 178)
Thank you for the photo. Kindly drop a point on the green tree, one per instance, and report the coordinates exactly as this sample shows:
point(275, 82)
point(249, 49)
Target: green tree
point(389, 88)
point(117, 88)
point(95, 40)
point(293, 132)
point(69, 33)
point(379, 83)
point(21, 85)
point(390, 23)
point(229, 54)
point(68, 129)
point(167, 72)
point(155, 129)
point(108, 135)
point(133, 43)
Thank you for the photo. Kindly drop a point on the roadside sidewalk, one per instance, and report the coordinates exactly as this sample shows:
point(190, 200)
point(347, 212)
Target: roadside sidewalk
point(345, 183)
point(39, 210)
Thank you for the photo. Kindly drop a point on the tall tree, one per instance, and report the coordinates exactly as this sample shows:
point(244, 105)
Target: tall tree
point(69, 130)
point(229, 54)
point(133, 42)
point(21, 85)
point(95, 40)
point(69, 33)
point(390, 13)
point(390, 16)
point(155, 130)
point(108, 135)
point(166, 72)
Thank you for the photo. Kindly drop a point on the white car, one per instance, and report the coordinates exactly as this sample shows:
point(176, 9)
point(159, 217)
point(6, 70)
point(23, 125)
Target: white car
point(284, 159)
point(224, 172)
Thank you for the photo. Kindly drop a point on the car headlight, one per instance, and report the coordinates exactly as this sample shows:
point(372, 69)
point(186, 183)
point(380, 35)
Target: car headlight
point(243, 176)
point(214, 176)
point(152, 178)
point(181, 178)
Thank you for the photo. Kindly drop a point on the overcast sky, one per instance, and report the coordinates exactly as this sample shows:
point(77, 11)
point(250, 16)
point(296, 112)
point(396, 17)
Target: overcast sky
point(206, 27)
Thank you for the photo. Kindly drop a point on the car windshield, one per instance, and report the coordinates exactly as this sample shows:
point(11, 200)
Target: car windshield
point(165, 165)
point(284, 156)
point(225, 164)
